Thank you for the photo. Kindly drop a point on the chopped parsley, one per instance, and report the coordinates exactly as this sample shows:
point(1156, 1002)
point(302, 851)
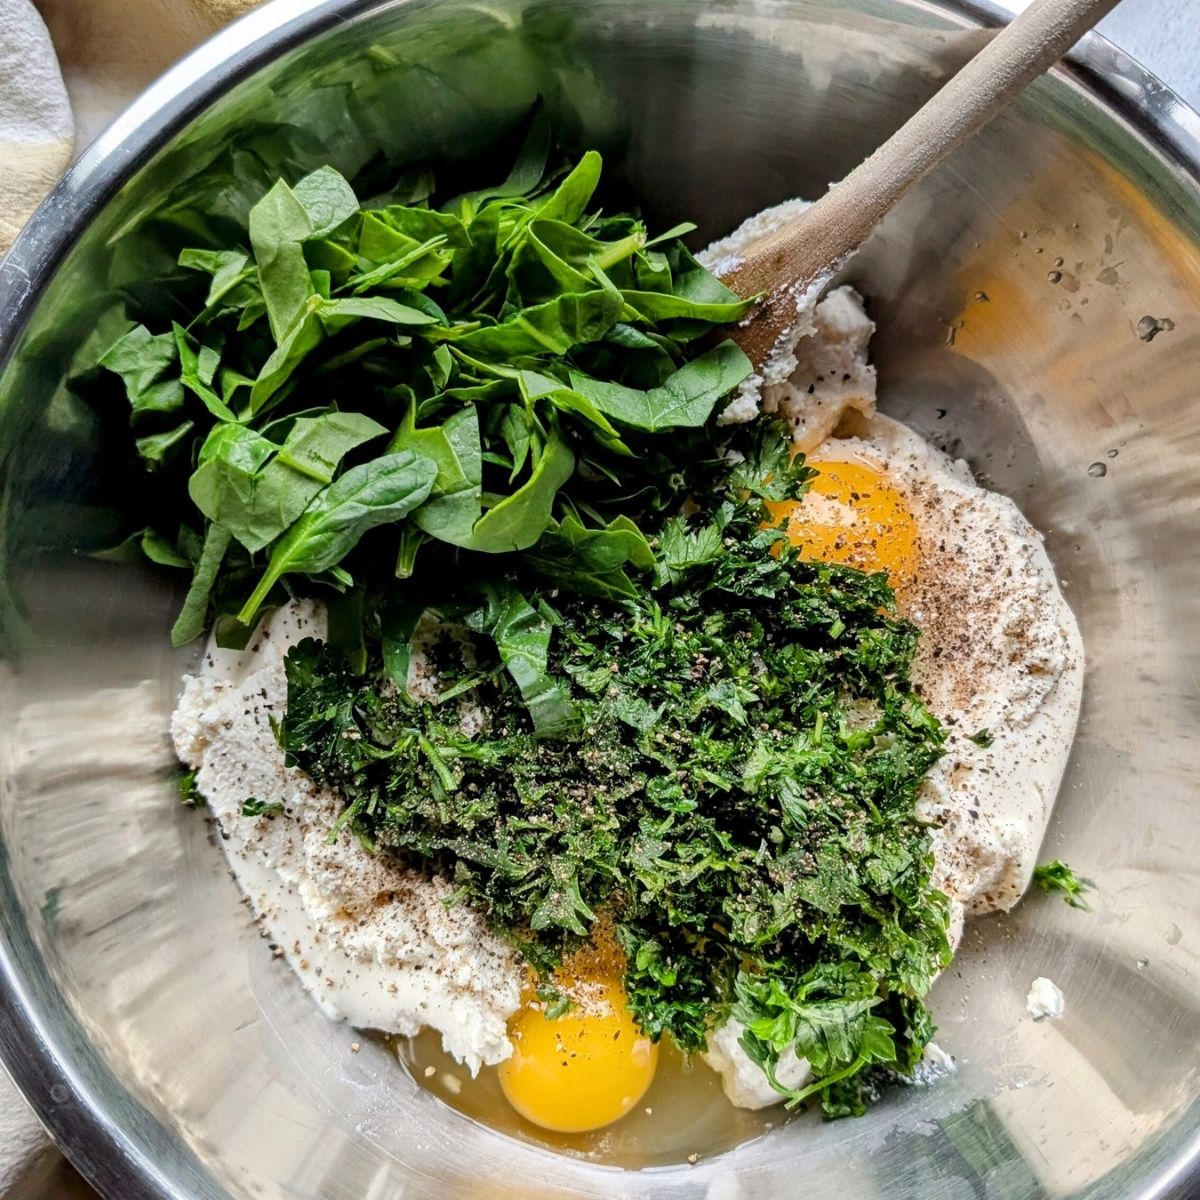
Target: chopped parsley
point(982, 738)
point(189, 794)
point(724, 763)
point(1056, 876)
point(260, 808)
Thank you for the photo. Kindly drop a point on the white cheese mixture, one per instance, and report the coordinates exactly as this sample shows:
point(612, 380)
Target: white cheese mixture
point(1000, 651)
point(373, 942)
point(819, 367)
point(1045, 999)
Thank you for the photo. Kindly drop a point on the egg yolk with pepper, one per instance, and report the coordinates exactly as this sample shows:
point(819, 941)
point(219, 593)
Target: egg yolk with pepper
point(853, 515)
point(581, 1070)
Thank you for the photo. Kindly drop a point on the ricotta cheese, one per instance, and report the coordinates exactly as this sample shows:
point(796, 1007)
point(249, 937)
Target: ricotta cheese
point(1045, 999)
point(742, 1080)
point(375, 943)
point(1000, 653)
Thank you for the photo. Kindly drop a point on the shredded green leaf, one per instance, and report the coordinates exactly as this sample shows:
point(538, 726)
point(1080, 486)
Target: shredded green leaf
point(519, 339)
point(724, 763)
point(1056, 876)
point(253, 807)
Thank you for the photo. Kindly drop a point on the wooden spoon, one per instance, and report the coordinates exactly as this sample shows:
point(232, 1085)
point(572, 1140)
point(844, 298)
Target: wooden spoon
point(786, 262)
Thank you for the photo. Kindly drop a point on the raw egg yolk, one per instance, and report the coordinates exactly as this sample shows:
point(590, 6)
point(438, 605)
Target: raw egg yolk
point(852, 515)
point(582, 1070)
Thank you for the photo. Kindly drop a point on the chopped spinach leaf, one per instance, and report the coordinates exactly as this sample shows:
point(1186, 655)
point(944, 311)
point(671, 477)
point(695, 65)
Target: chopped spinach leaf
point(1056, 876)
point(253, 807)
point(724, 761)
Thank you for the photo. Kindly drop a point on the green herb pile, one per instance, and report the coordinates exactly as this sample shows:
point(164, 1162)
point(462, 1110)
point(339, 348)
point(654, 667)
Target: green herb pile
point(457, 375)
point(737, 789)
point(497, 414)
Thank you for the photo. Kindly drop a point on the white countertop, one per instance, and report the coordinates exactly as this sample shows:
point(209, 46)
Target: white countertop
point(1163, 35)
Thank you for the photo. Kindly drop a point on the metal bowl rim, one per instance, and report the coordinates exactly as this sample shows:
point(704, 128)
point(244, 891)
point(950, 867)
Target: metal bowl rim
point(108, 1156)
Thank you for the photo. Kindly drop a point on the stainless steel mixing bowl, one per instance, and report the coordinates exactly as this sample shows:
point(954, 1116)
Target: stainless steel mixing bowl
point(1038, 304)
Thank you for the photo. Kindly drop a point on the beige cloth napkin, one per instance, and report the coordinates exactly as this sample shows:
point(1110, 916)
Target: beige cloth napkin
point(67, 67)
point(36, 129)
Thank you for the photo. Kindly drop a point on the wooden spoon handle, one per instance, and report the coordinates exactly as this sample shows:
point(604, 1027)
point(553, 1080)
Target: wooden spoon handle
point(838, 223)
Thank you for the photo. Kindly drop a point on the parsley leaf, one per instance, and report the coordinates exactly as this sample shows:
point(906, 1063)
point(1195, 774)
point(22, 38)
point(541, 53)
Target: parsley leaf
point(1056, 876)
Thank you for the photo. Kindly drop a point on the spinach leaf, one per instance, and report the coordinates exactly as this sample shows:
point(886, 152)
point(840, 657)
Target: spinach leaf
point(592, 561)
point(225, 486)
point(526, 174)
point(664, 306)
point(315, 446)
point(518, 520)
point(158, 550)
point(695, 282)
point(553, 257)
point(149, 367)
point(156, 449)
point(145, 544)
point(570, 199)
point(256, 489)
point(279, 225)
point(423, 224)
point(193, 616)
point(399, 616)
point(686, 399)
point(535, 387)
point(554, 327)
point(455, 504)
point(522, 637)
point(378, 492)
point(416, 267)
point(319, 318)
point(301, 339)
point(230, 271)
point(337, 314)
point(197, 367)
point(327, 199)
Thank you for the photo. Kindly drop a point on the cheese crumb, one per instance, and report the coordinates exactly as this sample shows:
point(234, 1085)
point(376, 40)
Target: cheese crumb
point(1045, 999)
